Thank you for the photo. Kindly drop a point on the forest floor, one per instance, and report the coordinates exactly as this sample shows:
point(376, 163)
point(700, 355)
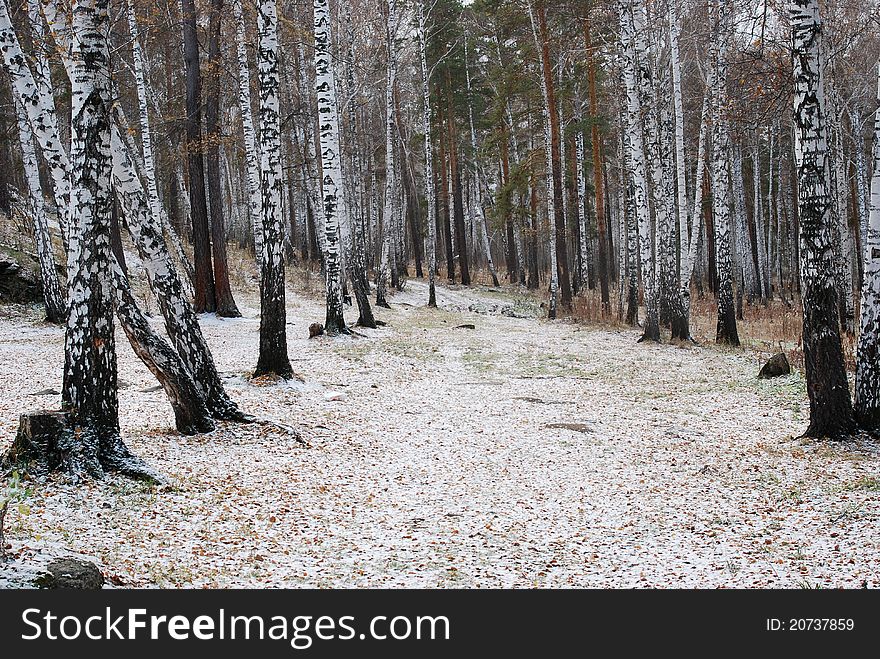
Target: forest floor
point(520, 453)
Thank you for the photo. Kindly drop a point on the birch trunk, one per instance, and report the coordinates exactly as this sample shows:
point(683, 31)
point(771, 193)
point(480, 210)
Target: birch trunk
point(479, 215)
point(273, 359)
point(149, 165)
point(430, 186)
point(637, 166)
point(867, 394)
point(36, 98)
point(553, 195)
point(687, 239)
point(726, 332)
point(831, 413)
point(93, 444)
point(251, 150)
point(54, 299)
point(388, 214)
point(331, 167)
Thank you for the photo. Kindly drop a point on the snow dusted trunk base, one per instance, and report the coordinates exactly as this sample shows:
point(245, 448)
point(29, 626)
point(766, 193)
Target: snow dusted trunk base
point(46, 442)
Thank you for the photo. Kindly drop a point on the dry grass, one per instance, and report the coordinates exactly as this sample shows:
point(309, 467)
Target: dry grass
point(766, 329)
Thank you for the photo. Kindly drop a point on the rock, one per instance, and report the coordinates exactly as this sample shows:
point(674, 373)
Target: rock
point(776, 366)
point(19, 283)
point(334, 395)
point(71, 573)
point(315, 329)
point(466, 326)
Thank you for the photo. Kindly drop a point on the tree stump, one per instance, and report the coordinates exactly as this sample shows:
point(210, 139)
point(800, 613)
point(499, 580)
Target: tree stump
point(39, 440)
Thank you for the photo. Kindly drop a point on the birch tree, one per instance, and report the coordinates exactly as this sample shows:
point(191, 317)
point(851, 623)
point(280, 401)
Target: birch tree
point(552, 195)
point(149, 164)
point(251, 151)
point(687, 235)
point(638, 168)
point(867, 391)
point(94, 444)
point(831, 413)
point(726, 332)
point(331, 167)
point(273, 359)
point(54, 299)
point(479, 215)
point(390, 200)
point(430, 186)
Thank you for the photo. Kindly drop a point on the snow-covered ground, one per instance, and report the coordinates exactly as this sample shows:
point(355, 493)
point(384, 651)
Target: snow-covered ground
point(434, 461)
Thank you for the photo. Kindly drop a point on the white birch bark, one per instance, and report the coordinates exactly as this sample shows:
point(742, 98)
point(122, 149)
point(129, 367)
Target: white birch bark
point(39, 104)
point(638, 168)
point(251, 149)
point(867, 390)
point(332, 185)
point(89, 393)
point(580, 177)
point(430, 186)
point(726, 331)
point(479, 216)
point(831, 413)
point(54, 298)
point(551, 195)
point(390, 201)
point(273, 359)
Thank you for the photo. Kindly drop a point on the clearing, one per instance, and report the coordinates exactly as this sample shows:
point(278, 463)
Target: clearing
point(520, 453)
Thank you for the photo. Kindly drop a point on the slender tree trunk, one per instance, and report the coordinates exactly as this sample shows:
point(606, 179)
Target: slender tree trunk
point(629, 31)
point(681, 299)
point(388, 214)
point(457, 195)
point(356, 263)
point(551, 154)
point(430, 186)
point(445, 211)
point(205, 296)
point(331, 167)
point(273, 359)
point(251, 149)
point(867, 397)
point(558, 247)
point(726, 332)
point(831, 413)
point(225, 304)
point(53, 297)
point(479, 215)
point(598, 183)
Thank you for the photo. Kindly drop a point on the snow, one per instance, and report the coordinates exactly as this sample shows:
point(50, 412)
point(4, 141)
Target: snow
point(439, 466)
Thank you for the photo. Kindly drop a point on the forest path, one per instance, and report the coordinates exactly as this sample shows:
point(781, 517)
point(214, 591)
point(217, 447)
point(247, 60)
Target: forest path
point(519, 453)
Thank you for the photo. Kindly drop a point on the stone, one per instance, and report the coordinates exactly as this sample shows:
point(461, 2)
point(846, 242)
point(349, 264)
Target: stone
point(775, 367)
point(71, 573)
